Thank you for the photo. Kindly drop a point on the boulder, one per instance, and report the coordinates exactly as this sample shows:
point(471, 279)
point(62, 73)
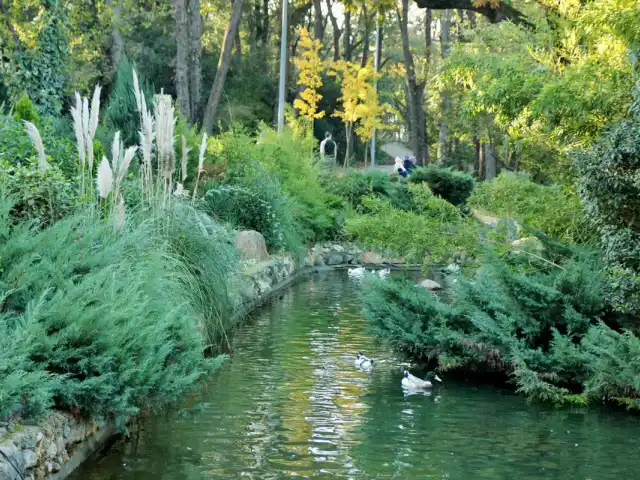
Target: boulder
point(335, 258)
point(252, 245)
point(431, 285)
point(372, 258)
point(318, 261)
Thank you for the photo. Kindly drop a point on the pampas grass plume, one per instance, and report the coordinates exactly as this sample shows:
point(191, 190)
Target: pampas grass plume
point(34, 134)
point(104, 178)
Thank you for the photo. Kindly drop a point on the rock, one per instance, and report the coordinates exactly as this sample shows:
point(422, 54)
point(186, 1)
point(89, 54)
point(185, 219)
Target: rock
point(348, 259)
point(372, 258)
point(337, 248)
point(430, 285)
point(335, 258)
point(252, 245)
point(318, 261)
point(30, 458)
point(3, 432)
point(52, 450)
point(528, 244)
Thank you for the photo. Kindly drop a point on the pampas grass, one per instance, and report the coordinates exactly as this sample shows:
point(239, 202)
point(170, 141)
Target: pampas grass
point(85, 124)
point(104, 178)
point(203, 149)
point(165, 126)
point(35, 137)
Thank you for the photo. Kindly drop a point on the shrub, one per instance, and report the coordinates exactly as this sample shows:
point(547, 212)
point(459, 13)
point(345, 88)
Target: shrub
point(454, 187)
point(354, 186)
point(546, 208)
point(72, 348)
point(537, 322)
point(16, 147)
point(435, 232)
point(611, 195)
point(41, 196)
point(25, 111)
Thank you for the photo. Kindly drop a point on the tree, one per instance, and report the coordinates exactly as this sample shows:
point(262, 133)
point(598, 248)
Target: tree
point(495, 10)
point(223, 67)
point(309, 76)
point(182, 58)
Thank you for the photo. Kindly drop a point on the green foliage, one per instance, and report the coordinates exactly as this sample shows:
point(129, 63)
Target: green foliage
point(40, 71)
point(546, 208)
point(454, 187)
point(16, 146)
point(121, 112)
point(541, 322)
point(41, 196)
point(25, 111)
point(433, 233)
point(355, 185)
point(70, 346)
point(610, 192)
point(244, 208)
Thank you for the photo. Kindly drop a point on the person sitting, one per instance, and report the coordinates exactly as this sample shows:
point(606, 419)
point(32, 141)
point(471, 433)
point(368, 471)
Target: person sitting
point(398, 168)
point(409, 163)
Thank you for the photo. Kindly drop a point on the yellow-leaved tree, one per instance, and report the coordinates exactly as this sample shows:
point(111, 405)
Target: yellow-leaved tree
point(354, 80)
point(310, 68)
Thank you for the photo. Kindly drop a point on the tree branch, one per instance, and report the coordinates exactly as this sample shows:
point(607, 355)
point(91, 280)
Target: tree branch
point(503, 12)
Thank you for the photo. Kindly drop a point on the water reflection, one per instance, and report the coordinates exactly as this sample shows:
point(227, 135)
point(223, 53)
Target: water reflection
point(290, 403)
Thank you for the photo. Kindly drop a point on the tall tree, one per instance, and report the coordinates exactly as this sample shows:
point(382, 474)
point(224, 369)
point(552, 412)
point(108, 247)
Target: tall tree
point(182, 58)
point(318, 20)
point(195, 74)
point(336, 31)
point(415, 90)
point(445, 100)
point(223, 67)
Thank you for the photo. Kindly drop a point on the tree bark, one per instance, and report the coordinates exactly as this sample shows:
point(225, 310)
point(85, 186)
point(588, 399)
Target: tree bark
point(223, 67)
point(415, 90)
point(503, 12)
point(117, 41)
point(347, 36)
point(365, 35)
point(476, 157)
point(318, 23)
point(445, 101)
point(182, 58)
point(195, 74)
point(489, 162)
point(336, 32)
point(265, 22)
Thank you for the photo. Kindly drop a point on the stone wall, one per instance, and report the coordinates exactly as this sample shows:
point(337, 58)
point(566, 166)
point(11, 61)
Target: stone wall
point(340, 254)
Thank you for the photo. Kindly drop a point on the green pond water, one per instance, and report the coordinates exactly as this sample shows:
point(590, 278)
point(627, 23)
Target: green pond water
point(290, 403)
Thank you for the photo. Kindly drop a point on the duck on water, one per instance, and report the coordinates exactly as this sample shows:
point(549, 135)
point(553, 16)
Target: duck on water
point(412, 382)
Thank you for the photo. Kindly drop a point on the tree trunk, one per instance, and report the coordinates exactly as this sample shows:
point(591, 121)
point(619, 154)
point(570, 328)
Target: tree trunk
point(265, 22)
point(318, 21)
point(445, 101)
point(365, 35)
point(347, 36)
point(476, 157)
point(415, 90)
point(223, 67)
point(348, 133)
point(336, 32)
point(504, 10)
point(481, 161)
point(195, 74)
point(252, 21)
point(182, 58)
point(489, 162)
point(117, 41)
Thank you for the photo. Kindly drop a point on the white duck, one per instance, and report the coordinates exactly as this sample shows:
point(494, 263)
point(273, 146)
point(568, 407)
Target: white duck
point(358, 272)
point(363, 362)
point(412, 382)
point(384, 273)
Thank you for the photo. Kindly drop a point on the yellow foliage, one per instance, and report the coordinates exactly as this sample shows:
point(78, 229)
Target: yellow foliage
point(310, 67)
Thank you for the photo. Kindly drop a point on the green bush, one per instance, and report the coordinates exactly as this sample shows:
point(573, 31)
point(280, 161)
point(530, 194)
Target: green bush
point(610, 192)
point(102, 322)
point(536, 321)
point(16, 146)
point(435, 232)
point(453, 186)
point(25, 111)
point(120, 112)
point(546, 208)
point(354, 186)
point(43, 196)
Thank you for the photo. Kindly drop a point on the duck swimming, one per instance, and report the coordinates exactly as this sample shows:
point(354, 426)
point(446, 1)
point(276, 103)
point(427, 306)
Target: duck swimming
point(414, 383)
point(363, 362)
point(358, 272)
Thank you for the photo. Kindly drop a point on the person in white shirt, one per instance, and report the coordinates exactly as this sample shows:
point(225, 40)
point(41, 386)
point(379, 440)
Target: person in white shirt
point(328, 150)
point(398, 168)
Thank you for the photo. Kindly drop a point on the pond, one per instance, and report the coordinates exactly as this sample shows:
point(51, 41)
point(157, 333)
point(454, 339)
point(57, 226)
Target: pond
point(289, 403)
